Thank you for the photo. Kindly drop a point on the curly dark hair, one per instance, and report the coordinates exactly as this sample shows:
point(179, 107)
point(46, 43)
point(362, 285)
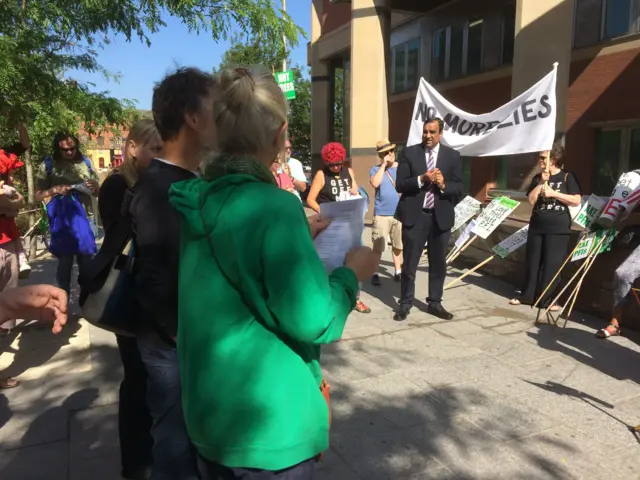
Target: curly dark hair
point(59, 137)
point(177, 94)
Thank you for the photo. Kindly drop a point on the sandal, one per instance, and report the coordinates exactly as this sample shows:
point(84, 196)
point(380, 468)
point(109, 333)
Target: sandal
point(7, 383)
point(555, 308)
point(610, 330)
point(362, 308)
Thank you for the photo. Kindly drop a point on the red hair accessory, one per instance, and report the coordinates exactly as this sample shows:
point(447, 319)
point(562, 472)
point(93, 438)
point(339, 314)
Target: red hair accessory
point(333, 153)
point(9, 162)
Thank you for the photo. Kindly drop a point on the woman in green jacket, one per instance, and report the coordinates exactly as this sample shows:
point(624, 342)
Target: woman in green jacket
point(256, 302)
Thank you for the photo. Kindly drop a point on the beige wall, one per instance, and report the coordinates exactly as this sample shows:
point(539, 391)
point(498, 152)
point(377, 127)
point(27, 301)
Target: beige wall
point(544, 32)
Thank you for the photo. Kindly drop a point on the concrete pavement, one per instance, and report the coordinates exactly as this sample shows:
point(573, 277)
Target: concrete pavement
point(485, 396)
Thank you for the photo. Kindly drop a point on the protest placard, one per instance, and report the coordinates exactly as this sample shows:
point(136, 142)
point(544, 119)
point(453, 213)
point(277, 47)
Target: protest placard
point(627, 183)
point(512, 243)
point(494, 215)
point(466, 233)
point(583, 248)
point(466, 209)
point(590, 212)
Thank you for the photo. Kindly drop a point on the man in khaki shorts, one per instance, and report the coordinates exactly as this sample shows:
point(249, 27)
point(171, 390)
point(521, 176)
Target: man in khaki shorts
point(385, 226)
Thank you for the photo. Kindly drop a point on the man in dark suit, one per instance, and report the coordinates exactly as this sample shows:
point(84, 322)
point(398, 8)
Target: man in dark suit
point(429, 177)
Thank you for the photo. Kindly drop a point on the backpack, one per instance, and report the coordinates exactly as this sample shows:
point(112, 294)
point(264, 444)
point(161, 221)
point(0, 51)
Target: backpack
point(71, 232)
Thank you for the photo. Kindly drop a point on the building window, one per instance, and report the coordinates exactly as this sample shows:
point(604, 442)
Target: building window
point(100, 161)
point(457, 50)
point(100, 141)
point(405, 66)
point(597, 20)
point(617, 151)
point(508, 34)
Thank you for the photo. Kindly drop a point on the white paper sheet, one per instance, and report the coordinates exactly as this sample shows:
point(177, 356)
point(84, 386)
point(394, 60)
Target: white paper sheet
point(343, 233)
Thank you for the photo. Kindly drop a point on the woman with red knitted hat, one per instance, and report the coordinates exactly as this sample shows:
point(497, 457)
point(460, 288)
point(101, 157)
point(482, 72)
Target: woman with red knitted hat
point(336, 182)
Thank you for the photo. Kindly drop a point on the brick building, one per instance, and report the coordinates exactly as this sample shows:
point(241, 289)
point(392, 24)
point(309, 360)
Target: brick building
point(104, 149)
point(480, 54)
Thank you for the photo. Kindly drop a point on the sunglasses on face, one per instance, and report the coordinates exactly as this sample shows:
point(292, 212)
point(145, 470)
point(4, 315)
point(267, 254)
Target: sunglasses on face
point(542, 157)
point(68, 150)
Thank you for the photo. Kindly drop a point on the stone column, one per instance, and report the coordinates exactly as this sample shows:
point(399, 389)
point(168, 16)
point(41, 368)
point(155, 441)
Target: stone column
point(369, 116)
point(543, 36)
point(321, 94)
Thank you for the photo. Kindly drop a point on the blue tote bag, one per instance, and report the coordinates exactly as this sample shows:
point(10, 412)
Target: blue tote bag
point(71, 233)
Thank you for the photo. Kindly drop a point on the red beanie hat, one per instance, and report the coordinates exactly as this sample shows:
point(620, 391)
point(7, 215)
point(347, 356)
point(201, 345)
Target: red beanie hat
point(333, 153)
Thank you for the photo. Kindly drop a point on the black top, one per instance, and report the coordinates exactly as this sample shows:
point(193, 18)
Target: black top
point(412, 164)
point(16, 148)
point(335, 186)
point(156, 227)
point(550, 215)
point(110, 200)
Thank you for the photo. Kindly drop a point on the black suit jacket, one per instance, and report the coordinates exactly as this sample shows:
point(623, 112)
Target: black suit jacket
point(412, 164)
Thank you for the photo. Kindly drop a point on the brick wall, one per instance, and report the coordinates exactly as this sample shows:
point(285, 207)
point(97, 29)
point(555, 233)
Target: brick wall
point(601, 89)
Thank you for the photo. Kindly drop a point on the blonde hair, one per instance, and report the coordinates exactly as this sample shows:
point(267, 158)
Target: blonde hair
point(142, 132)
point(249, 113)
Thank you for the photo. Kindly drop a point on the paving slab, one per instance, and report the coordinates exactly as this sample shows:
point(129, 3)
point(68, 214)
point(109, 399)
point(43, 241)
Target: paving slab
point(488, 395)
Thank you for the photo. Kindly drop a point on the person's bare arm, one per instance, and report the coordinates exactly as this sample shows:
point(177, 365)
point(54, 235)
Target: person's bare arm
point(376, 178)
point(57, 190)
point(316, 186)
point(535, 193)
point(354, 187)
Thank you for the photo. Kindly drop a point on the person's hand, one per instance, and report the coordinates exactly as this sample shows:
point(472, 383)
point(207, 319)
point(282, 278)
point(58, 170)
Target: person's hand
point(549, 192)
point(428, 177)
point(92, 185)
point(354, 192)
point(317, 224)
point(545, 176)
point(362, 261)
point(438, 178)
point(44, 303)
point(62, 189)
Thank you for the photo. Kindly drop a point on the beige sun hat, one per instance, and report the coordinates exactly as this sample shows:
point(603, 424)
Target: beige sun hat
point(384, 145)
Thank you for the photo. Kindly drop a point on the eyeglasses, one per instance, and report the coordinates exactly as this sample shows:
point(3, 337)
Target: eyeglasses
point(68, 150)
point(542, 157)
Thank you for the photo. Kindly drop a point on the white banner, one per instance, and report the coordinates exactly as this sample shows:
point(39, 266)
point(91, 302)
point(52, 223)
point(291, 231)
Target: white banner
point(466, 209)
point(525, 124)
point(494, 215)
point(513, 243)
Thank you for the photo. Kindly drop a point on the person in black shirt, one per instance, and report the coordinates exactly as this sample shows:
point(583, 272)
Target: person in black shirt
point(183, 112)
point(134, 420)
point(550, 194)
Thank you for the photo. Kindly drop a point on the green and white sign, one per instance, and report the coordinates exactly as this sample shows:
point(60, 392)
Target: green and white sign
point(286, 83)
point(493, 215)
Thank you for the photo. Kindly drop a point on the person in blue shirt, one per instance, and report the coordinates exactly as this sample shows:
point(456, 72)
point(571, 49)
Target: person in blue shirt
point(385, 226)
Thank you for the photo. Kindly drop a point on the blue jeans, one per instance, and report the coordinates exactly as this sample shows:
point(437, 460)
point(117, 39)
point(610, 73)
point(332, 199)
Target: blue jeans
point(65, 267)
point(215, 471)
point(174, 457)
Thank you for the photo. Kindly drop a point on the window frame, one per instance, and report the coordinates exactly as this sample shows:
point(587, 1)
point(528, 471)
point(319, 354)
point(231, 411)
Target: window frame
point(633, 29)
point(405, 67)
point(625, 145)
point(465, 50)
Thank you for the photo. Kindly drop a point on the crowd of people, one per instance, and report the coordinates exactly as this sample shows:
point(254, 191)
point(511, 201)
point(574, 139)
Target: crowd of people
point(220, 331)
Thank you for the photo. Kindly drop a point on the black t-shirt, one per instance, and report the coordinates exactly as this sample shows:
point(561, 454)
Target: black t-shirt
point(336, 187)
point(550, 215)
point(156, 225)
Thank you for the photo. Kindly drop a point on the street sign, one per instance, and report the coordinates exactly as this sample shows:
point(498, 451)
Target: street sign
point(286, 83)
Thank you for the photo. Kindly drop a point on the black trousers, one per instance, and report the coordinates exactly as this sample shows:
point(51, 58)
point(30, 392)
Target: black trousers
point(545, 254)
point(215, 471)
point(134, 420)
point(414, 239)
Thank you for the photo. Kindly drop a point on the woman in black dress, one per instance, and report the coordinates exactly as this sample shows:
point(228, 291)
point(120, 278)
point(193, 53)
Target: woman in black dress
point(550, 194)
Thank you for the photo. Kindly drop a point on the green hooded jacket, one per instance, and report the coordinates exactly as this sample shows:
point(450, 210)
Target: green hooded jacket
point(251, 322)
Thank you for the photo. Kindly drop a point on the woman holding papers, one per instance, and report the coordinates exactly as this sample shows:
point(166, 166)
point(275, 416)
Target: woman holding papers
point(258, 303)
point(550, 194)
point(335, 183)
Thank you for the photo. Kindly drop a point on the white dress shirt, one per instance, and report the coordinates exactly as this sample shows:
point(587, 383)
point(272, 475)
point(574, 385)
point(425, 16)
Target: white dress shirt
point(435, 151)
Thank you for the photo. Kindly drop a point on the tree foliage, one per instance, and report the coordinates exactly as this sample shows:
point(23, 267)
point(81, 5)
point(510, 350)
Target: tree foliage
point(270, 53)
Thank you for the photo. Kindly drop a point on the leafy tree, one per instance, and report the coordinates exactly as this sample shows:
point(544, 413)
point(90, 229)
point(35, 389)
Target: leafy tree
point(41, 40)
point(270, 53)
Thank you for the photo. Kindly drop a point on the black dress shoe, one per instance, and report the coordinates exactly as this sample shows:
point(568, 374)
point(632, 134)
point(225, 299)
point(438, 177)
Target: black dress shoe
point(437, 310)
point(375, 280)
point(401, 314)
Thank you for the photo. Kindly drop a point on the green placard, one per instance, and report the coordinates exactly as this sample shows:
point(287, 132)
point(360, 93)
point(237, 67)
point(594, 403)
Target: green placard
point(286, 83)
point(507, 202)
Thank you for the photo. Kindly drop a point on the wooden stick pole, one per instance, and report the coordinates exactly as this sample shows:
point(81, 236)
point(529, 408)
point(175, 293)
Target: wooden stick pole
point(582, 267)
point(577, 290)
point(464, 247)
point(460, 278)
point(556, 275)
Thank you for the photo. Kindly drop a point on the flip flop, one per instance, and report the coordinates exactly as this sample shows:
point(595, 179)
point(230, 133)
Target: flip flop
point(514, 301)
point(7, 383)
